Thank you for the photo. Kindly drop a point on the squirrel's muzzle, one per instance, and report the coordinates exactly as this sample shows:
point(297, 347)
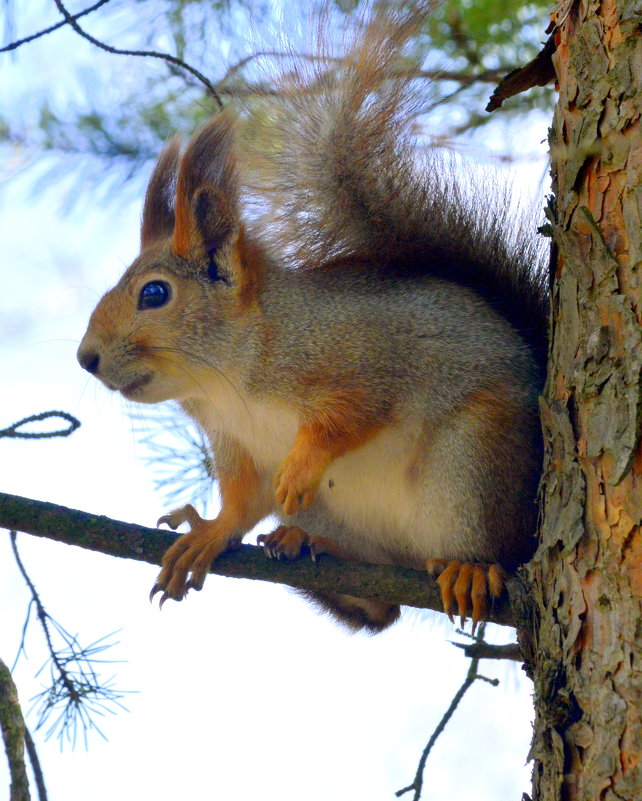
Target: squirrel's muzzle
point(88, 359)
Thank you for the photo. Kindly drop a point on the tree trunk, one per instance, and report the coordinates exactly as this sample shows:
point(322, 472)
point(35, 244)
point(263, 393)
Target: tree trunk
point(587, 572)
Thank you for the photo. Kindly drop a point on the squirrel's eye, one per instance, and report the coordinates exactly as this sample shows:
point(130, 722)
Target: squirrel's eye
point(153, 295)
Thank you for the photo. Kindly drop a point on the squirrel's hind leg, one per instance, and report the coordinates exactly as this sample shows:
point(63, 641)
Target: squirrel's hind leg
point(291, 542)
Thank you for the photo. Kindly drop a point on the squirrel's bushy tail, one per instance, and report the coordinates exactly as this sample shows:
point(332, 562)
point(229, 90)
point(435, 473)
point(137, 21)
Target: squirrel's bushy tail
point(343, 178)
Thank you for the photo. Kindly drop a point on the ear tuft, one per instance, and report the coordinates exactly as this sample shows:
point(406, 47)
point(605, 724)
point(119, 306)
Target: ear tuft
point(214, 218)
point(158, 209)
point(207, 190)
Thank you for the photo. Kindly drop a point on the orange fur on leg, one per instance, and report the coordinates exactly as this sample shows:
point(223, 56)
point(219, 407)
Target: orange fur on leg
point(194, 552)
point(298, 478)
point(337, 427)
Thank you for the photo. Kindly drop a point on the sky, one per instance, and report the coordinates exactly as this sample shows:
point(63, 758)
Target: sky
point(242, 691)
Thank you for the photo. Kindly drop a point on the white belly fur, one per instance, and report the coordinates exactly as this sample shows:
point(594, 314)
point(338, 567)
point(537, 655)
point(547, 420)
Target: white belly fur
point(370, 490)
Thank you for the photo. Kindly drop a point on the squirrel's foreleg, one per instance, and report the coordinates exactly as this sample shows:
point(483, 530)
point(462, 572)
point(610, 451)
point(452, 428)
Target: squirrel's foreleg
point(340, 426)
point(243, 503)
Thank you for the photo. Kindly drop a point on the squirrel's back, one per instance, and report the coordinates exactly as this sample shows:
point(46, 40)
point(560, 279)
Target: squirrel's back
point(346, 184)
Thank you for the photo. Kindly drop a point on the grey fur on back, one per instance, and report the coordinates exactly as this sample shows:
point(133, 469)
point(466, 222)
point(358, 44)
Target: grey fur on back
point(346, 181)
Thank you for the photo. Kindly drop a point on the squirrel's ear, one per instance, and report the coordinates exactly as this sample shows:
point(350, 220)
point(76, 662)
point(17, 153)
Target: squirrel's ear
point(158, 210)
point(207, 191)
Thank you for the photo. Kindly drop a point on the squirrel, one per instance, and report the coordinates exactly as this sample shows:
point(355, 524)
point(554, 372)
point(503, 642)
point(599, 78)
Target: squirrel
point(364, 347)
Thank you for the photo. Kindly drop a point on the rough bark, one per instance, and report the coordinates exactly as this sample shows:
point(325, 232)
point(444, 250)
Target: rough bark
point(587, 572)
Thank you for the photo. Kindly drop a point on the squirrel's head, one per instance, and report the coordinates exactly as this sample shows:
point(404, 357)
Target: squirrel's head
point(195, 278)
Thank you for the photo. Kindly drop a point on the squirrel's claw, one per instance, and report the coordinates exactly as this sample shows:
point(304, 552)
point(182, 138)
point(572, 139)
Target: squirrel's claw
point(164, 597)
point(186, 563)
point(467, 584)
point(285, 542)
point(324, 545)
point(291, 542)
point(186, 514)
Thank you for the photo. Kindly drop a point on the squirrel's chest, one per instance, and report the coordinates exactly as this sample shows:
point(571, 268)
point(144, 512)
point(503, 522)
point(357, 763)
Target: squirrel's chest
point(264, 429)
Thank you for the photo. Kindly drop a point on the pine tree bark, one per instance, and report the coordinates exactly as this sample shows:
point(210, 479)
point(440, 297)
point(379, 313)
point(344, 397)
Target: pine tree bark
point(587, 572)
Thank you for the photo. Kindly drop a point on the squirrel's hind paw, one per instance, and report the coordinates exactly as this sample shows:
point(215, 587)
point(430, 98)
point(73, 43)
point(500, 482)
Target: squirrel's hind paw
point(186, 563)
point(468, 584)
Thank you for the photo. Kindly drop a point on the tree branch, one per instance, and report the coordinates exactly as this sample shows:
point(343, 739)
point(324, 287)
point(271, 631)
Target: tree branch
point(35, 766)
point(537, 72)
point(131, 541)
point(71, 20)
point(471, 678)
point(19, 42)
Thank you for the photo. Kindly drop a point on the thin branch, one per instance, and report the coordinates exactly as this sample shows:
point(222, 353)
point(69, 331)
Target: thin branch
point(486, 650)
point(35, 766)
point(42, 615)
point(13, 432)
point(23, 637)
point(70, 19)
point(279, 54)
point(13, 732)
point(247, 90)
point(131, 541)
point(15, 45)
point(457, 76)
point(471, 678)
point(465, 79)
point(76, 693)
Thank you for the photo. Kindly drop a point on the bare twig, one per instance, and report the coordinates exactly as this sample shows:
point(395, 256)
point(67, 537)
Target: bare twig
point(42, 614)
point(13, 432)
point(486, 650)
point(131, 541)
point(76, 693)
point(13, 732)
point(35, 766)
point(19, 42)
point(278, 54)
point(21, 647)
point(70, 19)
point(471, 677)
point(246, 89)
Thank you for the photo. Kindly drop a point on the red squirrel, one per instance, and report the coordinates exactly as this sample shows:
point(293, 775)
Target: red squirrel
point(365, 354)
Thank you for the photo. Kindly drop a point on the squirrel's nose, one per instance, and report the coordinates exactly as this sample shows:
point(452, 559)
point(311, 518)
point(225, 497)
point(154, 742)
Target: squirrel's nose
point(89, 360)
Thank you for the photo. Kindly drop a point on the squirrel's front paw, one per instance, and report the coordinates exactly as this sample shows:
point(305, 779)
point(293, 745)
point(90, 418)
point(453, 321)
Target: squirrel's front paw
point(297, 480)
point(186, 563)
point(469, 584)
